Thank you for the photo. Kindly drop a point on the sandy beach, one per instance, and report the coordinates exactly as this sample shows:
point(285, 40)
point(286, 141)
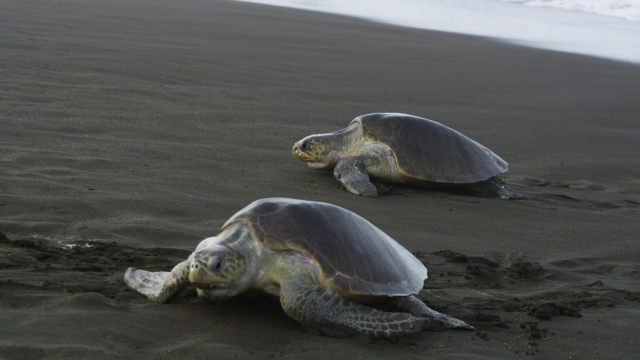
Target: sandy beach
point(131, 130)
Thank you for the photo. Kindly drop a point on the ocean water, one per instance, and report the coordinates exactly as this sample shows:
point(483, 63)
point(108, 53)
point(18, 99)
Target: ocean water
point(626, 9)
point(603, 28)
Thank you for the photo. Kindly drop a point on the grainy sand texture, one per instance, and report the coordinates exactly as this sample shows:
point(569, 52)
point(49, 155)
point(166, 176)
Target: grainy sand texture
point(131, 130)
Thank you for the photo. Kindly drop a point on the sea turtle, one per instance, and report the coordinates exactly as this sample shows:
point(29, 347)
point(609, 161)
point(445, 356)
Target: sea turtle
point(327, 265)
point(401, 148)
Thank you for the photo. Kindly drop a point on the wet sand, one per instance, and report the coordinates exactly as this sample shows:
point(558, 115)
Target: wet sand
point(133, 129)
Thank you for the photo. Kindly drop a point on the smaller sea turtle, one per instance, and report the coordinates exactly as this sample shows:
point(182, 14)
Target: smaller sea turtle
point(401, 148)
point(331, 269)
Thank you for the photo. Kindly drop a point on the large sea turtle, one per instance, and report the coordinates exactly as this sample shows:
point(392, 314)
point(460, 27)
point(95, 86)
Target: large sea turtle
point(401, 148)
point(331, 269)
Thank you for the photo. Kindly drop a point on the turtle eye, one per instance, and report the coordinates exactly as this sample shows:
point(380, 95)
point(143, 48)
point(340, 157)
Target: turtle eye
point(216, 263)
point(304, 146)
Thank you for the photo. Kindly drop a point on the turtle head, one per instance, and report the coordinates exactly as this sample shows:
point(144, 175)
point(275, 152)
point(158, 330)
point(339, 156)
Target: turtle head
point(318, 151)
point(218, 268)
point(323, 151)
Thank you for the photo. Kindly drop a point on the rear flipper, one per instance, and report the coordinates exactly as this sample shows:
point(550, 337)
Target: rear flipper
point(325, 310)
point(435, 321)
point(158, 286)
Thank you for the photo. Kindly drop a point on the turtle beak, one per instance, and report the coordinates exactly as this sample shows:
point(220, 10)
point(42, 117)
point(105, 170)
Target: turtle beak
point(298, 153)
point(197, 272)
point(202, 264)
point(300, 150)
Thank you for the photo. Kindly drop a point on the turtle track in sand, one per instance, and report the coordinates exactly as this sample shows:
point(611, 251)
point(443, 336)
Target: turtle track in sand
point(509, 292)
point(495, 292)
point(77, 267)
point(513, 282)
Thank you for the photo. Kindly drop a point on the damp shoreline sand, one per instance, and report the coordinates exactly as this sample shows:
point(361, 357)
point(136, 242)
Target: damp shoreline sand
point(139, 127)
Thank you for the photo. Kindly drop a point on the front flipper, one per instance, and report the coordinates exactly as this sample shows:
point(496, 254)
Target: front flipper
point(158, 286)
point(352, 173)
point(325, 310)
point(434, 320)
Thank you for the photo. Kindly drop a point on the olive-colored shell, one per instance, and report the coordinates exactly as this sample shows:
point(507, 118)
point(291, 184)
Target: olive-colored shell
point(429, 151)
point(354, 256)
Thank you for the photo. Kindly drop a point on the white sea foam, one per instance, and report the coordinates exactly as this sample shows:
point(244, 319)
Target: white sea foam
point(546, 24)
point(626, 9)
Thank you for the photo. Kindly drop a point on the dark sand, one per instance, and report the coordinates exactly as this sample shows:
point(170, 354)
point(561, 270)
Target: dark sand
point(136, 128)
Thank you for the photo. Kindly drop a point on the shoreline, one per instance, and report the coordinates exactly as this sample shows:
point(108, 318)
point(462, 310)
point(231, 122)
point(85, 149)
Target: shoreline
point(139, 127)
point(545, 27)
